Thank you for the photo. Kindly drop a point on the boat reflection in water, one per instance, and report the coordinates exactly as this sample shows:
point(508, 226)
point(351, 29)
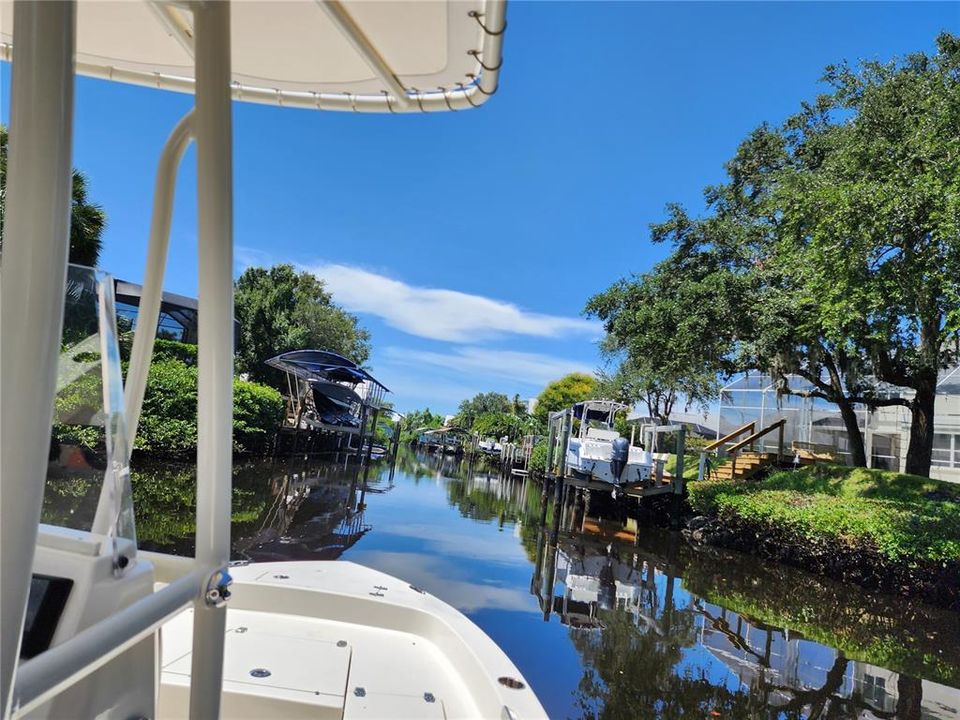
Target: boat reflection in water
point(317, 513)
point(646, 638)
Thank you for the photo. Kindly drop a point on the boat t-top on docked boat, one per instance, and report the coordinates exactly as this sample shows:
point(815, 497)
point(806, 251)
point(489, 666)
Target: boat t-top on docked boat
point(82, 609)
point(597, 452)
point(327, 389)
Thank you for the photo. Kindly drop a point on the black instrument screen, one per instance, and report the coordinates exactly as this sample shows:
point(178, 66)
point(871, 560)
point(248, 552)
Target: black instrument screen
point(48, 598)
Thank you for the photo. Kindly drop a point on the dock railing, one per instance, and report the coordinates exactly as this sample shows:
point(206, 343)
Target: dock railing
point(716, 447)
point(734, 450)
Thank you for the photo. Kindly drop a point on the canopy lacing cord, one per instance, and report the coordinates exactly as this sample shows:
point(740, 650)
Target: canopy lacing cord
point(446, 99)
point(479, 87)
point(477, 53)
point(386, 97)
point(463, 89)
point(419, 98)
point(476, 15)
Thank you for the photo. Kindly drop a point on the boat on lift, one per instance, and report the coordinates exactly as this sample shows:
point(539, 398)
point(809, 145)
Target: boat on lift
point(327, 389)
point(82, 608)
point(599, 453)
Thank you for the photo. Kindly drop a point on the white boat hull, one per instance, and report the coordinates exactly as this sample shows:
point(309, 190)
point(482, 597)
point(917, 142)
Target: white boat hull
point(591, 459)
point(343, 641)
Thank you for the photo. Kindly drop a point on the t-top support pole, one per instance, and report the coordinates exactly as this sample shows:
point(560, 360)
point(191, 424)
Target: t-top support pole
point(214, 139)
point(35, 250)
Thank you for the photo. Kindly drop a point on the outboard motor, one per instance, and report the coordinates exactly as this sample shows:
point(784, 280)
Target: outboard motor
point(618, 457)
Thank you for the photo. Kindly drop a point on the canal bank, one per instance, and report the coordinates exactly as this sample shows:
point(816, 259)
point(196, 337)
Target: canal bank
point(877, 529)
point(673, 630)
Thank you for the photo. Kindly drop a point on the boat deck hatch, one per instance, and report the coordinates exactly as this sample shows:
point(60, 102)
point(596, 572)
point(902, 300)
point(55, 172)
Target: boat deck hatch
point(377, 706)
point(267, 667)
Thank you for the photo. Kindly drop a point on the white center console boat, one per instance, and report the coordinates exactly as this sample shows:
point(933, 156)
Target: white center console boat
point(92, 627)
point(597, 452)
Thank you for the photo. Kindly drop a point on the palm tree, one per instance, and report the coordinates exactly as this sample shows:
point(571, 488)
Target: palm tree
point(87, 219)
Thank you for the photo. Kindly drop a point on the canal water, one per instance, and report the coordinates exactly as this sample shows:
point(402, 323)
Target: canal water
point(604, 621)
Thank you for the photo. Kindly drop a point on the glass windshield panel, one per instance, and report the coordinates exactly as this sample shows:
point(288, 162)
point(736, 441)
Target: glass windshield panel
point(89, 444)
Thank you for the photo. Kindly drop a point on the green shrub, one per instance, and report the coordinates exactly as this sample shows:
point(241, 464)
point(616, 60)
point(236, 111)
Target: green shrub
point(538, 458)
point(257, 412)
point(173, 350)
point(168, 422)
point(902, 517)
point(695, 443)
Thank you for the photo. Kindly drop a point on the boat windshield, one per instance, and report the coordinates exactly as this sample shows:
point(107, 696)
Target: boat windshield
point(88, 475)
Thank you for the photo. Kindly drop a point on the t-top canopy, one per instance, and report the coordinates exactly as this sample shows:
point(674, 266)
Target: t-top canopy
point(597, 409)
point(313, 365)
point(365, 56)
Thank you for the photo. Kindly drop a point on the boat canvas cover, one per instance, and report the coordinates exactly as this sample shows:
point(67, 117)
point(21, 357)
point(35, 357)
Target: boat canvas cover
point(327, 55)
point(340, 394)
point(313, 365)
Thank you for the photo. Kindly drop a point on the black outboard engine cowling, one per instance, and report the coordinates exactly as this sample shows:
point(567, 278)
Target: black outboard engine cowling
point(619, 457)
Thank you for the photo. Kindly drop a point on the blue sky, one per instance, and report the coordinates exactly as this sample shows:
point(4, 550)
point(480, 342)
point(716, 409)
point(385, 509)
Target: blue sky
point(469, 242)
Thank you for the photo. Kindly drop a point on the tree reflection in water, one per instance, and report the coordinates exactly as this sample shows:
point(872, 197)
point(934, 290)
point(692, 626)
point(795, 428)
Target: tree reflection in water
point(668, 631)
point(652, 648)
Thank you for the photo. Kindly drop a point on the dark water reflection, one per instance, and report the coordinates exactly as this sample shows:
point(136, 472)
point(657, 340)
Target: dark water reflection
point(604, 621)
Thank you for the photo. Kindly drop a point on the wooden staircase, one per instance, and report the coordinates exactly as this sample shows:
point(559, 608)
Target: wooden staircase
point(748, 465)
point(742, 463)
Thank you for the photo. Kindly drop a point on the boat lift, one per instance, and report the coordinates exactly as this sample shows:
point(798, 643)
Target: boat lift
point(560, 430)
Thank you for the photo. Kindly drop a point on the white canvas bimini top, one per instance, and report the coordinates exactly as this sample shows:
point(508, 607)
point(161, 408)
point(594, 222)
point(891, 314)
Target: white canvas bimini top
point(359, 55)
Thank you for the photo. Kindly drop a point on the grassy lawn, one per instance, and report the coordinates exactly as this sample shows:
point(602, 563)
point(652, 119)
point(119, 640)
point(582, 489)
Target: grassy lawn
point(902, 517)
point(691, 465)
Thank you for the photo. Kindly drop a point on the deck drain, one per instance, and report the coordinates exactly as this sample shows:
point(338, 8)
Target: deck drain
point(260, 673)
point(240, 630)
point(359, 692)
point(511, 683)
point(429, 697)
point(341, 643)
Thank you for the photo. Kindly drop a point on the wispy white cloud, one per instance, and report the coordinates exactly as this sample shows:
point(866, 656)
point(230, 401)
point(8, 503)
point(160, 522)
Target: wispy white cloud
point(466, 543)
point(441, 314)
point(440, 577)
point(487, 363)
point(244, 257)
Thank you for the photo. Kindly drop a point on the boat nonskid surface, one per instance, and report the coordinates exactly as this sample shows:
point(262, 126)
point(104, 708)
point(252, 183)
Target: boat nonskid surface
point(336, 639)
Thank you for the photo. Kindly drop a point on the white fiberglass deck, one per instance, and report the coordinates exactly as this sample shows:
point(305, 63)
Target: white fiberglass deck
point(340, 640)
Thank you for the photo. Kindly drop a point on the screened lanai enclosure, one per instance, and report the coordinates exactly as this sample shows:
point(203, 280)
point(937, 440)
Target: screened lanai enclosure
point(812, 424)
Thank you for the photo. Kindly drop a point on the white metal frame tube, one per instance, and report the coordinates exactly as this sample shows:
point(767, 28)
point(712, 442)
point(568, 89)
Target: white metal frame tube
point(152, 295)
point(50, 673)
point(214, 138)
point(35, 249)
point(150, 298)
